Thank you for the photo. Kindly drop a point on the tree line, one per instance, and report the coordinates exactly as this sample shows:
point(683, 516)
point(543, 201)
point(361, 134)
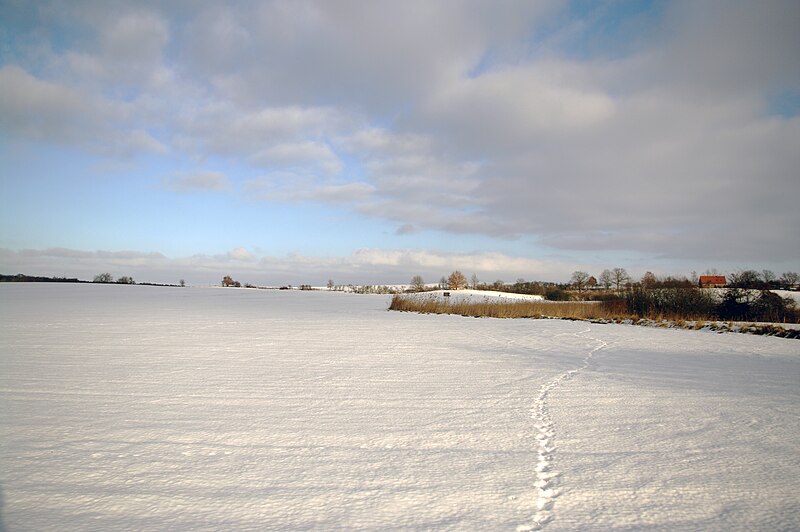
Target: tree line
point(618, 278)
point(746, 297)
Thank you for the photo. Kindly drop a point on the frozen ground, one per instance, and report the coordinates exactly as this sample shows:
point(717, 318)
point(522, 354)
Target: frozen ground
point(143, 408)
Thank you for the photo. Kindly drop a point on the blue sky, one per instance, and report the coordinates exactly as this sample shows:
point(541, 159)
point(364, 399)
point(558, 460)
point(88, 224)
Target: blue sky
point(367, 142)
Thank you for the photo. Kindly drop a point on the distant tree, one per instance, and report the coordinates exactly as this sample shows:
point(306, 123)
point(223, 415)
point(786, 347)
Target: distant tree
point(330, 284)
point(649, 281)
point(417, 283)
point(125, 280)
point(456, 281)
point(103, 278)
point(182, 282)
point(474, 281)
point(606, 279)
point(694, 279)
point(498, 284)
point(578, 280)
point(228, 281)
point(768, 276)
point(746, 279)
point(673, 282)
point(789, 279)
point(619, 276)
point(443, 283)
point(591, 282)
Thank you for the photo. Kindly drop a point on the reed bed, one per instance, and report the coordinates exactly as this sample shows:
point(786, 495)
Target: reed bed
point(609, 310)
point(602, 312)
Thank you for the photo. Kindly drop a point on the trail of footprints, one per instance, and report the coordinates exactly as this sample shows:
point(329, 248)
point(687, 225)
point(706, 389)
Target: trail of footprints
point(546, 483)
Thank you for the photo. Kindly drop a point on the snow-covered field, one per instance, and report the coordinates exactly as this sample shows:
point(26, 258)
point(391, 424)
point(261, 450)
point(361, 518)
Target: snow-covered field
point(144, 408)
point(474, 296)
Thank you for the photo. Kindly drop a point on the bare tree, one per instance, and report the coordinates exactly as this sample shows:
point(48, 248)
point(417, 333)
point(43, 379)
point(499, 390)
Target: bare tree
point(579, 279)
point(474, 281)
point(606, 279)
point(417, 283)
point(443, 283)
point(103, 278)
point(183, 282)
point(768, 276)
point(745, 279)
point(456, 281)
point(330, 284)
point(649, 280)
point(789, 279)
point(619, 276)
point(125, 280)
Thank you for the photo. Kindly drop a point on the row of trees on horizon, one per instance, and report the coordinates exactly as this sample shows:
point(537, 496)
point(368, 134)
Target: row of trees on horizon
point(746, 296)
point(617, 279)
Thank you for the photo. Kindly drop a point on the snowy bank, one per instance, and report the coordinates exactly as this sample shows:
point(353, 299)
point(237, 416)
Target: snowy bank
point(474, 296)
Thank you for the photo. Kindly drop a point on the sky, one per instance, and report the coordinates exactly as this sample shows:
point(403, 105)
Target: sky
point(368, 142)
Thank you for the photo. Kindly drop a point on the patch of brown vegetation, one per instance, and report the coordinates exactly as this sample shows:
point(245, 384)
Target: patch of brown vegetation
point(513, 309)
point(596, 312)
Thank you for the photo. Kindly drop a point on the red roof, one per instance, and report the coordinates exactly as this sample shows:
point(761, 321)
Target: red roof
point(712, 279)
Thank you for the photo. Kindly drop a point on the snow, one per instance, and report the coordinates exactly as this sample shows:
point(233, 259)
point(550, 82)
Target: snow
point(791, 294)
point(474, 296)
point(146, 408)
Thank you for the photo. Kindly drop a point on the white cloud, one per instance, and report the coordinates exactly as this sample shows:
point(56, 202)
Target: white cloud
point(240, 254)
point(292, 187)
point(314, 156)
point(513, 107)
point(85, 264)
point(37, 109)
point(197, 181)
point(376, 55)
point(412, 179)
point(141, 141)
point(120, 47)
point(228, 130)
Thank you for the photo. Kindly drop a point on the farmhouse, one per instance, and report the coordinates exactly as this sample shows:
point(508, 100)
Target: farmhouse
point(712, 281)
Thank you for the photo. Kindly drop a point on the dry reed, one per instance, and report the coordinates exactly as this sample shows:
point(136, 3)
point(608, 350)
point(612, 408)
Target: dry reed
point(603, 312)
point(515, 309)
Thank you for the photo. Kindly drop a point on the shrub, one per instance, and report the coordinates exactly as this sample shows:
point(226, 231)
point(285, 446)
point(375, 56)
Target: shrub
point(684, 303)
point(554, 293)
point(771, 307)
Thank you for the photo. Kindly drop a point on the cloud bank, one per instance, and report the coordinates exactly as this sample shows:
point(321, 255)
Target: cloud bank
point(363, 266)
